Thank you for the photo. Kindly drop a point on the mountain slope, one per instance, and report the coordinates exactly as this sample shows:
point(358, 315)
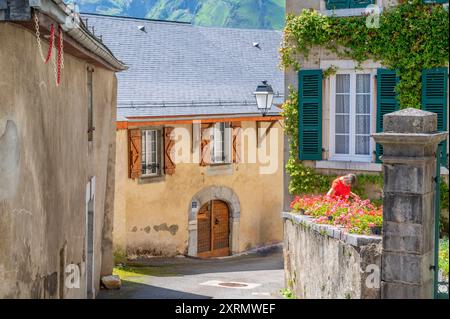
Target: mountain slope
point(261, 14)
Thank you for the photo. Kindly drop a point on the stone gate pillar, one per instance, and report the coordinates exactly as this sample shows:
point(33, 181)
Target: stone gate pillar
point(409, 140)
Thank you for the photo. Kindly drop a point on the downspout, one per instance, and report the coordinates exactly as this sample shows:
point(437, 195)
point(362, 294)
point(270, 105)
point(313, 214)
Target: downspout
point(59, 11)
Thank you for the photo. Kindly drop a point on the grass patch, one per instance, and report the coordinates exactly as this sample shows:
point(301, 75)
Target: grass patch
point(443, 256)
point(288, 293)
point(120, 257)
point(127, 273)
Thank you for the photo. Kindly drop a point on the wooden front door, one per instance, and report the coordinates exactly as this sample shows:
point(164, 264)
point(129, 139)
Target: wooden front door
point(213, 230)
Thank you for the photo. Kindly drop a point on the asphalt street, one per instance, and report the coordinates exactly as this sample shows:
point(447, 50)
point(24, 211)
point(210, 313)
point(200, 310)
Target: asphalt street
point(253, 276)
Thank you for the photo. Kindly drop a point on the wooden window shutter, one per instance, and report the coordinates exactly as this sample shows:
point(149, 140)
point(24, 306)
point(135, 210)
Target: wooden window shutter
point(169, 143)
point(434, 99)
point(205, 150)
point(134, 153)
point(360, 3)
point(337, 4)
point(386, 100)
point(236, 126)
point(310, 114)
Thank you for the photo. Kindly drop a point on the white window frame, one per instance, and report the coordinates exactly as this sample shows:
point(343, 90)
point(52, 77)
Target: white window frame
point(352, 157)
point(226, 143)
point(145, 133)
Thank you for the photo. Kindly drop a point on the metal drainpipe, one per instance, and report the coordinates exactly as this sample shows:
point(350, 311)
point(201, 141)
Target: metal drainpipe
point(59, 11)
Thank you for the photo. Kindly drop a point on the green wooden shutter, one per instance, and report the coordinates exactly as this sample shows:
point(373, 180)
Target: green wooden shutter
point(310, 114)
point(386, 100)
point(360, 3)
point(338, 4)
point(435, 1)
point(434, 99)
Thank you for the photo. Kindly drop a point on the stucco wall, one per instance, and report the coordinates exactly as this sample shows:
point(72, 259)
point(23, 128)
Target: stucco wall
point(43, 217)
point(153, 217)
point(321, 262)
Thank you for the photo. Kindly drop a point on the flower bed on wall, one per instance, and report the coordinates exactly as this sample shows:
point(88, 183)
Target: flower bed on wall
point(355, 216)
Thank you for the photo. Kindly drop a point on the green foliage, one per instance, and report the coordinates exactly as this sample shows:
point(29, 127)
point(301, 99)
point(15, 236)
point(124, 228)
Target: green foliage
point(287, 293)
point(444, 195)
point(443, 256)
point(368, 179)
point(412, 36)
point(304, 180)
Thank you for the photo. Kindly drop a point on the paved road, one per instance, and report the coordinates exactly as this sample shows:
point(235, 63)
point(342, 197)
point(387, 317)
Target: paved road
point(254, 276)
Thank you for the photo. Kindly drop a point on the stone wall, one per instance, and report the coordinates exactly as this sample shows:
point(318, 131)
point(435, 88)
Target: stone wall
point(323, 262)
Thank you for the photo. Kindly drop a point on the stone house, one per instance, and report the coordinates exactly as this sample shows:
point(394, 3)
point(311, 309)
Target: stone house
point(57, 152)
point(193, 176)
point(349, 105)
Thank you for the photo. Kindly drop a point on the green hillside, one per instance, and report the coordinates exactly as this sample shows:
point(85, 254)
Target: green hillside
point(261, 14)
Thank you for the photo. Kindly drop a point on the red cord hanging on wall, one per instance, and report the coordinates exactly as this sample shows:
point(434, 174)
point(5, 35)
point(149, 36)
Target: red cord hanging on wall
point(50, 46)
point(58, 61)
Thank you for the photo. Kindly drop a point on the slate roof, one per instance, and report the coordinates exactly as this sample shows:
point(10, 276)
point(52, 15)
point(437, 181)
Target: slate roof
point(178, 69)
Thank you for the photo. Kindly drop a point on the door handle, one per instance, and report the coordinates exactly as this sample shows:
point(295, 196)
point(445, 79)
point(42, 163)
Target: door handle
point(216, 221)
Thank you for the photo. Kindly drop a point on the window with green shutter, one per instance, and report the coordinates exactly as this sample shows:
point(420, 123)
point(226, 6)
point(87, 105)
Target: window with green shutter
point(386, 100)
point(434, 99)
point(360, 3)
point(310, 114)
point(435, 1)
point(346, 4)
point(338, 4)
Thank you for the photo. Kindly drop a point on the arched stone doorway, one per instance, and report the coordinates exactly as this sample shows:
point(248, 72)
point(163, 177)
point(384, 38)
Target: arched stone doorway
point(205, 197)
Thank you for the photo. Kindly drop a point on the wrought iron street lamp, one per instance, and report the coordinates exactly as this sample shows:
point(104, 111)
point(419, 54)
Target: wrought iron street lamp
point(264, 97)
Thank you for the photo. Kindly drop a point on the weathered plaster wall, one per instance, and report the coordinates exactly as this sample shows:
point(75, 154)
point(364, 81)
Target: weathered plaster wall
point(45, 165)
point(322, 262)
point(152, 217)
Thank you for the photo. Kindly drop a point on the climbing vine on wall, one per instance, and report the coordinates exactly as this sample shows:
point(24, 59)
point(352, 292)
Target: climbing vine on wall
point(411, 37)
point(305, 180)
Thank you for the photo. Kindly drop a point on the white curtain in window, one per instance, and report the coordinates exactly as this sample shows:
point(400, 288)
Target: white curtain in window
point(218, 147)
point(150, 152)
point(362, 117)
point(221, 145)
point(342, 117)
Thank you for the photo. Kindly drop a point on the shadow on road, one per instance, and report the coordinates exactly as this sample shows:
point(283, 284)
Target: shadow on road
point(135, 290)
point(193, 266)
